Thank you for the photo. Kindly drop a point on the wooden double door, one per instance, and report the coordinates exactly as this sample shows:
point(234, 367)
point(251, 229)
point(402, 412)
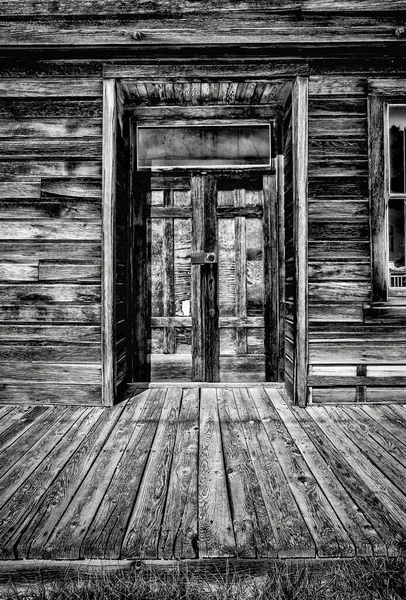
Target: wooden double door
point(207, 276)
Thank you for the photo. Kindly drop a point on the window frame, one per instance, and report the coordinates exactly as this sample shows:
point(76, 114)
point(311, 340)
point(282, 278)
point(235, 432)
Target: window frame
point(382, 93)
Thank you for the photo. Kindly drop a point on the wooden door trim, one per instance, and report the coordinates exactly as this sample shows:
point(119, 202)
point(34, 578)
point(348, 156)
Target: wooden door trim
point(300, 169)
point(108, 333)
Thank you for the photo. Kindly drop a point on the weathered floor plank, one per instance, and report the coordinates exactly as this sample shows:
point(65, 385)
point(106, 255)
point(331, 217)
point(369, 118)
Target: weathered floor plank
point(360, 530)
point(142, 536)
point(105, 534)
point(179, 531)
point(330, 536)
point(290, 530)
point(18, 422)
point(385, 500)
point(252, 526)
point(60, 493)
point(15, 514)
point(216, 535)
point(202, 472)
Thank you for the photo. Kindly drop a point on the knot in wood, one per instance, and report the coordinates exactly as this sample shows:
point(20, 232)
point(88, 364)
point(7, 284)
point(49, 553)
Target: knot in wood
point(137, 35)
point(400, 32)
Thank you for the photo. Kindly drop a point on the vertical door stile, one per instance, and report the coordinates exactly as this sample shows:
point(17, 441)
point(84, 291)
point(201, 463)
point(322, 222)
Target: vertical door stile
point(240, 273)
point(169, 342)
point(205, 312)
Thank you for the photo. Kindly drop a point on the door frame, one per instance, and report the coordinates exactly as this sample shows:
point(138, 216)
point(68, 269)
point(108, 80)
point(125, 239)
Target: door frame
point(113, 119)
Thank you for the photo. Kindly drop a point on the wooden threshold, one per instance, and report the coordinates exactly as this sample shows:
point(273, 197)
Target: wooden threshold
point(203, 384)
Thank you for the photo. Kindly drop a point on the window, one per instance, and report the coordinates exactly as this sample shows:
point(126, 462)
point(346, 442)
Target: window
point(397, 195)
point(387, 172)
point(168, 146)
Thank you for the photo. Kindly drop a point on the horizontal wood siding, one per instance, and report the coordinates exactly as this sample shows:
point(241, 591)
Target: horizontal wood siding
point(50, 229)
point(345, 331)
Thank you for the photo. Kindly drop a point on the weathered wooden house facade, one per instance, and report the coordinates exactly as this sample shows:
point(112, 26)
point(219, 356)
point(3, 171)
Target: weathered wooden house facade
point(141, 242)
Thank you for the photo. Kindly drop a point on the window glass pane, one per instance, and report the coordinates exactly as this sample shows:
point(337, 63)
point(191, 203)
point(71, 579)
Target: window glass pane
point(205, 146)
point(396, 221)
point(397, 127)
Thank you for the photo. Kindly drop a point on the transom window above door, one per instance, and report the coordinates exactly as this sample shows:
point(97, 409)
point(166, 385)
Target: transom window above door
point(206, 146)
point(397, 195)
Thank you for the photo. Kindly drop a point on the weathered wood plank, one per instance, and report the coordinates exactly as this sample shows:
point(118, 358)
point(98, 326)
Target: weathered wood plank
point(29, 128)
point(18, 272)
point(366, 540)
point(205, 332)
point(357, 352)
point(49, 373)
point(45, 209)
point(80, 187)
point(141, 7)
point(253, 531)
point(377, 167)
point(337, 291)
point(389, 419)
point(196, 28)
point(142, 535)
point(50, 333)
point(357, 229)
point(50, 107)
point(326, 85)
point(68, 271)
point(342, 6)
point(28, 452)
point(20, 189)
point(44, 293)
point(27, 250)
point(36, 87)
point(385, 491)
point(179, 530)
point(52, 352)
point(18, 512)
point(389, 466)
point(17, 148)
point(318, 514)
point(66, 539)
point(51, 393)
point(32, 169)
point(290, 532)
point(18, 423)
point(59, 494)
point(365, 496)
point(50, 229)
point(300, 230)
point(338, 270)
point(106, 531)
point(379, 432)
point(216, 535)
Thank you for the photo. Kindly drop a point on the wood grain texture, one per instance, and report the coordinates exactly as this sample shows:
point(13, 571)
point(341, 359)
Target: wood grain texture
point(290, 532)
point(17, 513)
point(216, 534)
point(252, 527)
point(108, 246)
point(359, 529)
point(179, 531)
point(318, 513)
point(300, 230)
point(59, 494)
point(142, 536)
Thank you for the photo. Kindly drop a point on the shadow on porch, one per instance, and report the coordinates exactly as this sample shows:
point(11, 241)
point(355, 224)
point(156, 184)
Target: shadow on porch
point(189, 472)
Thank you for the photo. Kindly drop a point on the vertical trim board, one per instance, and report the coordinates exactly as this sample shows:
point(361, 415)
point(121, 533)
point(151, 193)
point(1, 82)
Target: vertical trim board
point(109, 366)
point(300, 169)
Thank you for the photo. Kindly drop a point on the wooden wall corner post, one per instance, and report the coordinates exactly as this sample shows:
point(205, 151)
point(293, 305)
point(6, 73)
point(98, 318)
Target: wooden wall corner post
point(377, 174)
point(300, 170)
point(108, 246)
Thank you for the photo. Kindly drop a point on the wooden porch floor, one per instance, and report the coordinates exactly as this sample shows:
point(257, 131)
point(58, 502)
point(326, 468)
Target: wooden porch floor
point(209, 472)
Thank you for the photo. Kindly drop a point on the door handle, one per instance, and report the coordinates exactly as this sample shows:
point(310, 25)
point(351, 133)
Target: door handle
point(203, 258)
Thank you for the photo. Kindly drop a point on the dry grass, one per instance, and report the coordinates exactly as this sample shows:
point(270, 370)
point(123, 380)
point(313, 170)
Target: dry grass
point(366, 579)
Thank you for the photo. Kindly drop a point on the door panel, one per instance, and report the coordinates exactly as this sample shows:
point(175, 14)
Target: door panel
point(206, 321)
